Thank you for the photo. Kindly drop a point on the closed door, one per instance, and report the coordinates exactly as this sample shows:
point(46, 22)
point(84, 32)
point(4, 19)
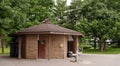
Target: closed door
point(41, 48)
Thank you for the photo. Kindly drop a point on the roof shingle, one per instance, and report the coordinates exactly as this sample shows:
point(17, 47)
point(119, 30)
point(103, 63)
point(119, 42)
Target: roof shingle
point(48, 28)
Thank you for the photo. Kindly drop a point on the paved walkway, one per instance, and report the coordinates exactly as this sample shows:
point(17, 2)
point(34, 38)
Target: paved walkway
point(84, 60)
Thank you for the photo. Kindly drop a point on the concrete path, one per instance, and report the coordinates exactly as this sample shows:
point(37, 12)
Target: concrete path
point(84, 60)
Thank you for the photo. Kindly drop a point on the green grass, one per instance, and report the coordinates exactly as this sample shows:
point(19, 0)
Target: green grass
point(6, 50)
point(87, 51)
point(107, 51)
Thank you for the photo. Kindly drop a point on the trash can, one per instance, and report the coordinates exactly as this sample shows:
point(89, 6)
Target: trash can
point(14, 49)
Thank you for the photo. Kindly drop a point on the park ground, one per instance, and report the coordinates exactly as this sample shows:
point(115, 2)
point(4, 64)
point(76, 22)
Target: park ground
point(84, 60)
point(90, 57)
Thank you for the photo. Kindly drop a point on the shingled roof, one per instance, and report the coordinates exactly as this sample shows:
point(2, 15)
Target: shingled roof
point(48, 28)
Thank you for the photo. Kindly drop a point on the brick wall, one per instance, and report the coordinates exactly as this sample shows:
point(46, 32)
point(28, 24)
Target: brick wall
point(58, 47)
point(31, 46)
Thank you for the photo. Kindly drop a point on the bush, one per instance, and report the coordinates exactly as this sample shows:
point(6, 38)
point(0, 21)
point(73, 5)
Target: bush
point(114, 46)
point(85, 46)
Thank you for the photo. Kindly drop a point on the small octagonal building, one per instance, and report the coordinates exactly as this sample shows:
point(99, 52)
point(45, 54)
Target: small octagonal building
point(46, 41)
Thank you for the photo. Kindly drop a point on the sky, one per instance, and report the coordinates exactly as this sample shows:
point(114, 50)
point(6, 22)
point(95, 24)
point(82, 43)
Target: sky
point(68, 2)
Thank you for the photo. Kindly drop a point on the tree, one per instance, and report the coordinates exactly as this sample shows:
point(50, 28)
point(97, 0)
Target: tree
point(115, 33)
point(75, 14)
point(60, 12)
point(16, 15)
point(99, 20)
point(114, 5)
point(69, 15)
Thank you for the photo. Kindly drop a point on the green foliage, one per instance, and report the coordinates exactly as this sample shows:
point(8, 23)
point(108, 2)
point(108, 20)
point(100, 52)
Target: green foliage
point(75, 14)
point(114, 46)
point(98, 20)
point(60, 12)
point(116, 32)
point(94, 18)
point(85, 46)
point(16, 15)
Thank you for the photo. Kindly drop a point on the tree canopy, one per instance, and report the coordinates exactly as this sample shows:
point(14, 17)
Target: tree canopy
point(94, 18)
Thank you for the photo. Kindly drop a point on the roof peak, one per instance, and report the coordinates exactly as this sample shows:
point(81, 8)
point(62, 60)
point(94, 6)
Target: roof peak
point(46, 21)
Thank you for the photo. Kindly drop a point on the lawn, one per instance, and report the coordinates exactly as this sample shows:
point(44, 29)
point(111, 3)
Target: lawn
point(6, 50)
point(86, 51)
point(107, 51)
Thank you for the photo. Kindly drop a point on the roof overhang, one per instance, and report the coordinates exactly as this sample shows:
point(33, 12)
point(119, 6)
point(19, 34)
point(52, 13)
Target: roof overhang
point(46, 32)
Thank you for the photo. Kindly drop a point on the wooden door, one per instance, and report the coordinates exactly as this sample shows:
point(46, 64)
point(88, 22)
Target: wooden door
point(41, 49)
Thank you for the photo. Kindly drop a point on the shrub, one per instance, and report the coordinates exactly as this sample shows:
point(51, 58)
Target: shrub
point(114, 46)
point(85, 46)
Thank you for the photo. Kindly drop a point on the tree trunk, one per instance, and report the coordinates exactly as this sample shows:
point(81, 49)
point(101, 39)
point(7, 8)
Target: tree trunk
point(102, 47)
point(95, 43)
point(2, 43)
point(99, 46)
point(118, 43)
